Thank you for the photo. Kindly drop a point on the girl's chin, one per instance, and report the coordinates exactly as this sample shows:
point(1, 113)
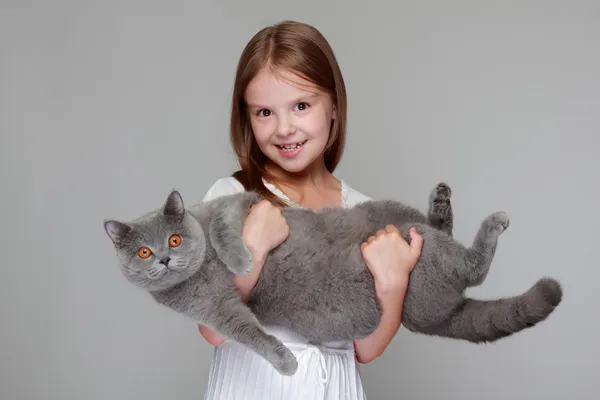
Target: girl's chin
point(294, 166)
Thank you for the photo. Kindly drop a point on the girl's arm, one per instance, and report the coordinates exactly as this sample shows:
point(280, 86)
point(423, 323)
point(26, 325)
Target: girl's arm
point(372, 346)
point(390, 259)
point(212, 337)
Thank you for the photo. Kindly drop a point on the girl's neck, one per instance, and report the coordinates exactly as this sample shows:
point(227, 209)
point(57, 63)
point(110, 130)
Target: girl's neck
point(313, 187)
point(314, 176)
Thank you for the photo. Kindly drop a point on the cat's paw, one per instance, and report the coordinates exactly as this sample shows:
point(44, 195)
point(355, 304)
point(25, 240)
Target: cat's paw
point(242, 261)
point(285, 361)
point(439, 199)
point(442, 192)
point(440, 208)
point(497, 222)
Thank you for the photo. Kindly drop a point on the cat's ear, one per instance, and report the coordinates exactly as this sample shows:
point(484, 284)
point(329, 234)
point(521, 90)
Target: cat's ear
point(174, 204)
point(116, 230)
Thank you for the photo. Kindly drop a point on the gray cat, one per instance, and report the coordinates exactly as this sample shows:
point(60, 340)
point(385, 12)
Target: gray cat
point(316, 282)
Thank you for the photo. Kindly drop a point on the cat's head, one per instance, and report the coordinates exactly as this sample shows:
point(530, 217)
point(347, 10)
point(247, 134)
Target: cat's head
point(161, 248)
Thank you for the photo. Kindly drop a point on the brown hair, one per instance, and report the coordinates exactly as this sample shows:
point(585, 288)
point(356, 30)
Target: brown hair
point(295, 47)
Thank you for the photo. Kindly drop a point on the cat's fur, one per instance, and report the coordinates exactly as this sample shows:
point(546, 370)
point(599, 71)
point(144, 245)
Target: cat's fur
point(316, 282)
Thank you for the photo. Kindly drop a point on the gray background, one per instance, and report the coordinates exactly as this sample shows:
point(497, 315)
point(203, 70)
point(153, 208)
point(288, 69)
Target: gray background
point(107, 105)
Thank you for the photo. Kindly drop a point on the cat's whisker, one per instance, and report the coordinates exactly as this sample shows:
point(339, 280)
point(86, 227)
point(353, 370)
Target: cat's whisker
point(155, 272)
point(180, 265)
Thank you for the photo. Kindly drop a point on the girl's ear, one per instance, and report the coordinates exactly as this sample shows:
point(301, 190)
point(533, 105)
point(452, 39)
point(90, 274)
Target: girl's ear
point(334, 113)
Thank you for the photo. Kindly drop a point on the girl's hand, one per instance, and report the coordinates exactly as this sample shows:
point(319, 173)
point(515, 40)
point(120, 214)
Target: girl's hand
point(391, 259)
point(264, 229)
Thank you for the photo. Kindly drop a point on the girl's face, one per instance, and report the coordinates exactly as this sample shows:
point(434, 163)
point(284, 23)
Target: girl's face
point(291, 119)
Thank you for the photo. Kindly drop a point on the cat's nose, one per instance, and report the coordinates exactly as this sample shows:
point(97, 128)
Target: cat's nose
point(165, 261)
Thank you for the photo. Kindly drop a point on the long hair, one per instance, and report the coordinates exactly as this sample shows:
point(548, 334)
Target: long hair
point(294, 47)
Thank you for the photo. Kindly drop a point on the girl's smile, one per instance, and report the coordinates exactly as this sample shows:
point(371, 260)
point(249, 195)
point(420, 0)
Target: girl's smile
point(291, 150)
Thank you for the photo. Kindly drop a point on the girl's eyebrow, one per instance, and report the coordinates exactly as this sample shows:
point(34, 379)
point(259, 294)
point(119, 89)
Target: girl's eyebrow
point(309, 96)
point(298, 99)
point(251, 105)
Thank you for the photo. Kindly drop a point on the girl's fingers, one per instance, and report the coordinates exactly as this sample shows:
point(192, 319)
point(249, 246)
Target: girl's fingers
point(391, 229)
point(416, 241)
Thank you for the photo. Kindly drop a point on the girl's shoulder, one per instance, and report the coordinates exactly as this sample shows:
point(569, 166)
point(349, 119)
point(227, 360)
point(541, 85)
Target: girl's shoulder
point(351, 196)
point(223, 186)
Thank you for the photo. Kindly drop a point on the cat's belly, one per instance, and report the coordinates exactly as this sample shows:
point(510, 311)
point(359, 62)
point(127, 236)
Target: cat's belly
point(322, 295)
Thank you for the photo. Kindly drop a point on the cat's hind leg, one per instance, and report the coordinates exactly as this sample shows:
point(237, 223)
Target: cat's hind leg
point(479, 257)
point(440, 213)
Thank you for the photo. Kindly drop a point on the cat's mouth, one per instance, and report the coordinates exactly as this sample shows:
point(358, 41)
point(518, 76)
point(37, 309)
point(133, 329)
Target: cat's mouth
point(177, 270)
point(156, 273)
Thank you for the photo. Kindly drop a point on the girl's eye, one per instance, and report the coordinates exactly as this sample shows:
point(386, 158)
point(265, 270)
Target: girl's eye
point(263, 113)
point(302, 106)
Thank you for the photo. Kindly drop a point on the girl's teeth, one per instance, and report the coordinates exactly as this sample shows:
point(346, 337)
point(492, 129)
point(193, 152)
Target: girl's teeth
point(292, 147)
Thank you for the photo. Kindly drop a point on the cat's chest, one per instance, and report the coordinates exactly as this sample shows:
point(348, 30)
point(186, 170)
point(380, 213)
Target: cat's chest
point(186, 295)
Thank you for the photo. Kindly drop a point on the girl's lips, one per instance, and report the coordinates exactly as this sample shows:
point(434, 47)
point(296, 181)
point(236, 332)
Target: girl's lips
point(292, 150)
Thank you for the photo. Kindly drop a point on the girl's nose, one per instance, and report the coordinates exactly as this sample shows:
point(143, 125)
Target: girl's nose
point(284, 126)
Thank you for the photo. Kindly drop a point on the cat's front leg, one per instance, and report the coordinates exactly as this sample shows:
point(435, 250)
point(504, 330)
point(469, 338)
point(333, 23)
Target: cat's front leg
point(236, 321)
point(440, 213)
point(226, 231)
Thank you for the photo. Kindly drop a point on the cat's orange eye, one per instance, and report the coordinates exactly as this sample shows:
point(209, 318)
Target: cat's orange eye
point(144, 252)
point(174, 240)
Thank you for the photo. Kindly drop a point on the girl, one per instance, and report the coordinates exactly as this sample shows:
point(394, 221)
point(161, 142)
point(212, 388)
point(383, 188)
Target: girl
point(288, 128)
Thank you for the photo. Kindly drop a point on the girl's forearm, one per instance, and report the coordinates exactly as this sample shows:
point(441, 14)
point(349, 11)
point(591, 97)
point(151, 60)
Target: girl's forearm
point(246, 283)
point(392, 300)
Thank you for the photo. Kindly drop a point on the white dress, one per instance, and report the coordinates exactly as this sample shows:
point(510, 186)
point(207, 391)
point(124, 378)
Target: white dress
point(326, 372)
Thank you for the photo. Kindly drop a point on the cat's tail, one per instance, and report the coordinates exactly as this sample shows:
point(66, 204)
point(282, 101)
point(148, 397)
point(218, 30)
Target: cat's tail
point(482, 321)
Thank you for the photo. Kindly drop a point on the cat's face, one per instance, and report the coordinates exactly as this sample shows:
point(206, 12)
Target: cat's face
point(161, 248)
